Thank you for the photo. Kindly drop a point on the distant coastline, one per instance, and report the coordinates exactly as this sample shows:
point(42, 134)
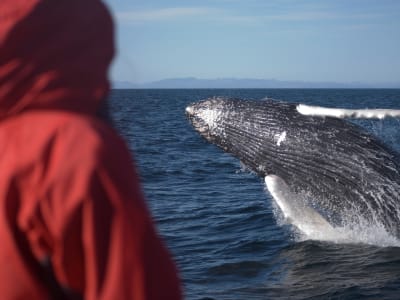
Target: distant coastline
point(243, 83)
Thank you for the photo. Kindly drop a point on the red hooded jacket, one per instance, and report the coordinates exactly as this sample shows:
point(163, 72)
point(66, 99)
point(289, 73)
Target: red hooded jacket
point(73, 223)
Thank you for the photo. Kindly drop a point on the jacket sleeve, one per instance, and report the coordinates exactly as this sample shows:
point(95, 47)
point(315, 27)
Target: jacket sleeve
point(104, 244)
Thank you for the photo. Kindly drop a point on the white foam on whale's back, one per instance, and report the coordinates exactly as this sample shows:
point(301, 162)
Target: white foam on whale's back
point(320, 111)
point(311, 225)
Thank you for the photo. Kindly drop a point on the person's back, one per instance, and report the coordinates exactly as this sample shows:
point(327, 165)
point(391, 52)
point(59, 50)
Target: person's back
point(72, 220)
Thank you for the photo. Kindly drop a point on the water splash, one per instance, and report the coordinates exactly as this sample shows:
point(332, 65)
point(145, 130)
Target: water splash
point(363, 233)
point(307, 224)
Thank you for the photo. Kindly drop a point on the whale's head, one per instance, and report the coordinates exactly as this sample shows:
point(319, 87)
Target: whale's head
point(208, 118)
point(252, 131)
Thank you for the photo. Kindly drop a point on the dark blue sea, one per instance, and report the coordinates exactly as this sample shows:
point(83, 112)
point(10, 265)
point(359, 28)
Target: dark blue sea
point(218, 220)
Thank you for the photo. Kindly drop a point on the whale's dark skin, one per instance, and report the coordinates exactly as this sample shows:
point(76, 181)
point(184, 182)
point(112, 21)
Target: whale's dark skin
point(339, 169)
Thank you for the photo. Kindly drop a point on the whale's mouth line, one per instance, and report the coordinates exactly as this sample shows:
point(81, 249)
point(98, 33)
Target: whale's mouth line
point(191, 116)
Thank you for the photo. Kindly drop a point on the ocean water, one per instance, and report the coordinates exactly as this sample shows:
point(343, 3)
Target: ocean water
point(220, 223)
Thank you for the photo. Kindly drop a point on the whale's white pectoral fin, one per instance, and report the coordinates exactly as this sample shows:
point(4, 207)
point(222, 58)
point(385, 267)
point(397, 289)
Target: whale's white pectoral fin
point(281, 194)
point(294, 208)
point(320, 111)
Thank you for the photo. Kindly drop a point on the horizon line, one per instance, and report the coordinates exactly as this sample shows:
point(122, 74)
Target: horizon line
point(247, 83)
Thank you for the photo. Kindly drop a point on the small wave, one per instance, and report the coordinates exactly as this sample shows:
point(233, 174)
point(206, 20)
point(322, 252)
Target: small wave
point(242, 268)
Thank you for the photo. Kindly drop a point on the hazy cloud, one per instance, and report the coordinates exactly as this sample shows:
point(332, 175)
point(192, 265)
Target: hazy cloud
point(162, 14)
point(231, 16)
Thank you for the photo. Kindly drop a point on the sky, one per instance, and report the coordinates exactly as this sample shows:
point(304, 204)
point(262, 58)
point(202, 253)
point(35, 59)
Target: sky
point(305, 40)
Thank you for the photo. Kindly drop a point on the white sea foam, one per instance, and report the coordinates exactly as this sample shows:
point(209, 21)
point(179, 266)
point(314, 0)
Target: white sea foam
point(311, 225)
point(320, 111)
point(362, 233)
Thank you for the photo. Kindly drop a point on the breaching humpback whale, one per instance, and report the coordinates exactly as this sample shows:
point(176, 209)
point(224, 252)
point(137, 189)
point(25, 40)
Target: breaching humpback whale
point(322, 171)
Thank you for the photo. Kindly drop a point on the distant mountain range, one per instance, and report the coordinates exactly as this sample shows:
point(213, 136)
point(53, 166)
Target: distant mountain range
point(229, 83)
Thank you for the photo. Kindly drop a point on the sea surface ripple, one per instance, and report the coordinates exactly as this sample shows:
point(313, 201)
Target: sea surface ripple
point(218, 220)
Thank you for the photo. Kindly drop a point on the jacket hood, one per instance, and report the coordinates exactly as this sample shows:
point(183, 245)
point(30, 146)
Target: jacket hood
point(54, 55)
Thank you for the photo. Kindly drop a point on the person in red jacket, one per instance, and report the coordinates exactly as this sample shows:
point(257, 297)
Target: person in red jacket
point(73, 221)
